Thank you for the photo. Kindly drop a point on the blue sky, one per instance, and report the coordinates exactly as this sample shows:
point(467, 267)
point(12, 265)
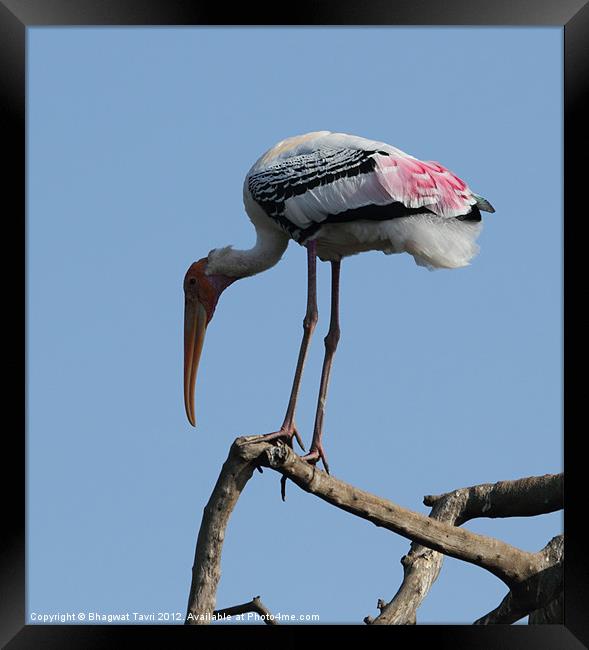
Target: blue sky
point(138, 142)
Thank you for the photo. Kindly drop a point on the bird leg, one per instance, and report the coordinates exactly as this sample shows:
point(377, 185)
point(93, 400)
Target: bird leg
point(331, 340)
point(288, 428)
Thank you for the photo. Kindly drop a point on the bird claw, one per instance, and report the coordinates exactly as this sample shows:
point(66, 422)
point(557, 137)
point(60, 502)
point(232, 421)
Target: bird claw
point(284, 434)
point(316, 454)
point(299, 439)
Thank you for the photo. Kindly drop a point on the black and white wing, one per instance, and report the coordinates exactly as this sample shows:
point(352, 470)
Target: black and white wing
point(337, 178)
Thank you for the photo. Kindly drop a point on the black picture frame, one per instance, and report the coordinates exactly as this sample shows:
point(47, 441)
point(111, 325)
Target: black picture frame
point(17, 15)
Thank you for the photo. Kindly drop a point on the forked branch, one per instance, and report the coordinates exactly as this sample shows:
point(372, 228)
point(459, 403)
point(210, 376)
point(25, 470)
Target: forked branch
point(508, 563)
point(524, 497)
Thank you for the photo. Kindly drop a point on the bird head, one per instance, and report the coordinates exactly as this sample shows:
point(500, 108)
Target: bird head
point(201, 294)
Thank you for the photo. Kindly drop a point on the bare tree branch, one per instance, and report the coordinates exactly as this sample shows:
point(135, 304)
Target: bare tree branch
point(524, 497)
point(512, 565)
point(206, 570)
point(508, 563)
point(421, 566)
point(536, 592)
point(255, 605)
point(551, 614)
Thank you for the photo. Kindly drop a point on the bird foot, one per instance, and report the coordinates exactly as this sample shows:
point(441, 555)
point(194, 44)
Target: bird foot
point(316, 454)
point(286, 435)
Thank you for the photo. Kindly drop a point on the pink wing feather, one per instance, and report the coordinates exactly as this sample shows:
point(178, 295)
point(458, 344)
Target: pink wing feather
point(423, 184)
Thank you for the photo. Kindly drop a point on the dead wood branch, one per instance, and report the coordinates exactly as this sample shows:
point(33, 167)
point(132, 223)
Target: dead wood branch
point(524, 497)
point(510, 564)
point(551, 614)
point(255, 605)
point(538, 591)
point(206, 570)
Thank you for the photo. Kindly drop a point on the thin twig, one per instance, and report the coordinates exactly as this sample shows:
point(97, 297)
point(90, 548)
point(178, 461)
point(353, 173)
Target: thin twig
point(255, 605)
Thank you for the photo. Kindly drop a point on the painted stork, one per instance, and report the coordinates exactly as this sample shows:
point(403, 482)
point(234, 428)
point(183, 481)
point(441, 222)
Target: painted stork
point(336, 195)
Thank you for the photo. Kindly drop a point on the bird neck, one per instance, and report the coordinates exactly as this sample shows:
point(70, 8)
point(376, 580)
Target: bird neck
point(269, 248)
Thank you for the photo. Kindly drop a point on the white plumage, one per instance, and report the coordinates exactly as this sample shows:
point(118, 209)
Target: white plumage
point(337, 195)
point(350, 195)
point(433, 243)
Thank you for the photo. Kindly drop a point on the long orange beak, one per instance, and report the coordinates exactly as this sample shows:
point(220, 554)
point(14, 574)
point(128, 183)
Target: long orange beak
point(195, 326)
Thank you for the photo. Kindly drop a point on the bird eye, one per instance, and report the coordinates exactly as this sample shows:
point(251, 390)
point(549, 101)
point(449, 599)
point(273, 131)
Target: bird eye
point(192, 281)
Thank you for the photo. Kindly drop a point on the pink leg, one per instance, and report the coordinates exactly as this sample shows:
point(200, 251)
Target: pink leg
point(288, 428)
point(331, 340)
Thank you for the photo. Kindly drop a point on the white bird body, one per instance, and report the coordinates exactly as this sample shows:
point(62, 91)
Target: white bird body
point(351, 195)
point(337, 195)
